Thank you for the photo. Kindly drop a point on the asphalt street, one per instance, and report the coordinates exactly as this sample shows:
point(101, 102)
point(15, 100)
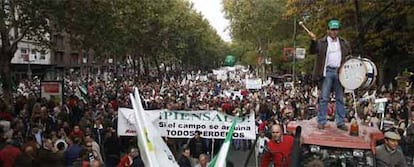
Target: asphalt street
point(238, 158)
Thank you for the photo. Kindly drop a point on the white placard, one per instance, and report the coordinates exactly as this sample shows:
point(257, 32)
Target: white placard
point(254, 83)
point(52, 90)
point(300, 53)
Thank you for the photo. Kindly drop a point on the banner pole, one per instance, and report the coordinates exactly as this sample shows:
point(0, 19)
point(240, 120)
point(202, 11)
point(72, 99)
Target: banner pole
point(212, 148)
point(355, 105)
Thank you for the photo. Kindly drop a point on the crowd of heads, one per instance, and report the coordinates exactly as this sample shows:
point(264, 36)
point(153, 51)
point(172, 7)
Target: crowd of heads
point(81, 120)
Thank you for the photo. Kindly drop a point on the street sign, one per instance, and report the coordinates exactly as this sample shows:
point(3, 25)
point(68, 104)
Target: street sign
point(268, 61)
point(300, 53)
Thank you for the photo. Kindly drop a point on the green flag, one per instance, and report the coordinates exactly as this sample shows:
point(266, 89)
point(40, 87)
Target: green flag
point(220, 159)
point(230, 61)
point(83, 93)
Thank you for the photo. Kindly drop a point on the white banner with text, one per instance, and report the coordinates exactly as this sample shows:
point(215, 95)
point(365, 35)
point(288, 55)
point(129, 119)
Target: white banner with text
point(254, 83)
point(183, 124)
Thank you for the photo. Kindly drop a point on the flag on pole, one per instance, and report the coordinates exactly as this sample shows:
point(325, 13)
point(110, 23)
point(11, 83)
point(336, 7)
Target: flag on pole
point(220, 159)
point(183, 82)
point(163, 87)
point(82, 93)
point(154, 152)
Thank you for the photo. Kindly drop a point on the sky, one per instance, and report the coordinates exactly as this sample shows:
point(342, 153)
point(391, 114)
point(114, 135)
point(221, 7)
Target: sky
point(212, 11)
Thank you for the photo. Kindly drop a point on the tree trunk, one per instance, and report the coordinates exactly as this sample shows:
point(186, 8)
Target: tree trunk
point(381, 72)
point(358, 24)
point(145, 65)
point(166, 73)
point(7, 80)
point(134, 64)
point(155, 59)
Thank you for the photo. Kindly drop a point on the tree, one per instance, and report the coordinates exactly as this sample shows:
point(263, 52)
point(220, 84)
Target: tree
point(152, 32)
point(93, 25)
point(379, 30)
point(261, 25)
point(22, 19)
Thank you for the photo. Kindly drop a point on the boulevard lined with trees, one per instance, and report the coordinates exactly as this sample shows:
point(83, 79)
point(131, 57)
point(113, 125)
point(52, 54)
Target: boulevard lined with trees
point(378, 30)
point(165, 34)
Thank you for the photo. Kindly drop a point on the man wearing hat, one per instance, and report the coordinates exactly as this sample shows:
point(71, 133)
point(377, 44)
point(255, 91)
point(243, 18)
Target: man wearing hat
point(388, 154)
point(331, 51)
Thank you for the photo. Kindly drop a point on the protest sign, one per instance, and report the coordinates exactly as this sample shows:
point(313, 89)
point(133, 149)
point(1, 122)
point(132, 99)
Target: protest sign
point(183, 124)
point(254, 83)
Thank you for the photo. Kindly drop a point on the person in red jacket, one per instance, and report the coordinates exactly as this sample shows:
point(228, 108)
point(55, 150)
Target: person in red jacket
point(227, 107)
point(278, 149)
point(76, 132)
point(9, 154)
point(128, 159)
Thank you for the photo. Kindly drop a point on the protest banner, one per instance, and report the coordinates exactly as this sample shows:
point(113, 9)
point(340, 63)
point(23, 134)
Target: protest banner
point(183, 124)
point(126, 122)
point(52, 90)
point(254, 83)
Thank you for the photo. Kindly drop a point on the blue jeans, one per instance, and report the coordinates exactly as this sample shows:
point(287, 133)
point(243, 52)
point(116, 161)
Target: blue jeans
point(331, 81)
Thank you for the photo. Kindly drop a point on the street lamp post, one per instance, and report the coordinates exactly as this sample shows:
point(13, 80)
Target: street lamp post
point(85, 67)
point(294, 53)
point(110, 61)
point(29, 70)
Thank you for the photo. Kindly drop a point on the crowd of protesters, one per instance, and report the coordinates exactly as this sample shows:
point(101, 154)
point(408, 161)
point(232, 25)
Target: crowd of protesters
point(82, 130)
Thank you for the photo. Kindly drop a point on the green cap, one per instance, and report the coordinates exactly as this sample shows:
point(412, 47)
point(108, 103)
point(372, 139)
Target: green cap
point(334, 24)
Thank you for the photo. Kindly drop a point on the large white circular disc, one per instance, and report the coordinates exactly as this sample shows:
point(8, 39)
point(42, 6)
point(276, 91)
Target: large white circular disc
point(352, 74)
